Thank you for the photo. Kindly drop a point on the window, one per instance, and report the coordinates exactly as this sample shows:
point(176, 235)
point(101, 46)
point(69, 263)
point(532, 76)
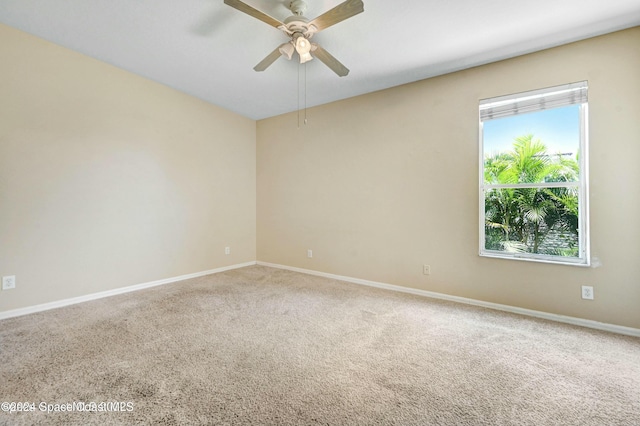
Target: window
point(533, 175)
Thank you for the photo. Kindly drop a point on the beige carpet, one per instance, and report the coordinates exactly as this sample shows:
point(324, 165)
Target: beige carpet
point(266, 346)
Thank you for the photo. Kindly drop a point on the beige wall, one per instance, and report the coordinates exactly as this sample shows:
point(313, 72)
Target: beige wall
point(380, 184)
point(109, 180)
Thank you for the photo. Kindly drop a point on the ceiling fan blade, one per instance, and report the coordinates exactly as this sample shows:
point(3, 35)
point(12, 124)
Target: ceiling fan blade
point(271, 58)
point(329, 60)
point(251, 11)
point(339, 13)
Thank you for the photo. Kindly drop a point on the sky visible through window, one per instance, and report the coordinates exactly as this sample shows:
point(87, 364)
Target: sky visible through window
point(558, 129)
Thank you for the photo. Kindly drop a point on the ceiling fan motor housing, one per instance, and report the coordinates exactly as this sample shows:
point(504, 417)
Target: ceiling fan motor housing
point(298, 24)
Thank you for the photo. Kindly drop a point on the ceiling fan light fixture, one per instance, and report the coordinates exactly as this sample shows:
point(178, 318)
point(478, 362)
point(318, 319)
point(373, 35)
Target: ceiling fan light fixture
point(286, 49)
point(305, 57)
point(303, 47)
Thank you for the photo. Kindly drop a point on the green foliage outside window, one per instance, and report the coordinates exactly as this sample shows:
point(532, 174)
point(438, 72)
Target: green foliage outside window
point(540, 220)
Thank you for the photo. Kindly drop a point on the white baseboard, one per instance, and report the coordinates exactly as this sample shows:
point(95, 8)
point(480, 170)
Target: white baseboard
point(629, 331)
point(100, 295)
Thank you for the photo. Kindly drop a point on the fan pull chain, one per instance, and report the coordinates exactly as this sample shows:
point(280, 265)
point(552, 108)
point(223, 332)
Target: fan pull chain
point(298, 96)
point(304, 95)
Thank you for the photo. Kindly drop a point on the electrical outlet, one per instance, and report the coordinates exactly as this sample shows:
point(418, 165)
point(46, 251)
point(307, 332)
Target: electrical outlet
point(587, 292)
point(426, 269)
point(227, 250)
point(9, 282)
point(309, 253)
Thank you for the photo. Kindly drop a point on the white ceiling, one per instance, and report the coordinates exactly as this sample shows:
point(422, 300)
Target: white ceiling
point(208, 49)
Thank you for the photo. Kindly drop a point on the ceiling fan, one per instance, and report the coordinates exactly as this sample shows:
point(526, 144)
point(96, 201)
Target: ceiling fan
point(300, 29)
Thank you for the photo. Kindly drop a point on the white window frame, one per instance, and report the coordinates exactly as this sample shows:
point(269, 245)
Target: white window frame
point(533, 101)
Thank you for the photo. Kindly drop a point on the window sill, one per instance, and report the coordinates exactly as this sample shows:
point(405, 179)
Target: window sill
point(537, 259)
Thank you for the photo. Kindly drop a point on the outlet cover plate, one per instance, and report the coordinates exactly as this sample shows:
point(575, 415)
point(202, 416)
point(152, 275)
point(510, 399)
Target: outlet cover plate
point(9, 282)
point(587, 292)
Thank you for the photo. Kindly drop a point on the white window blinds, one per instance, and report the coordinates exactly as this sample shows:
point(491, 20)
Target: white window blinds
point(536, 100)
